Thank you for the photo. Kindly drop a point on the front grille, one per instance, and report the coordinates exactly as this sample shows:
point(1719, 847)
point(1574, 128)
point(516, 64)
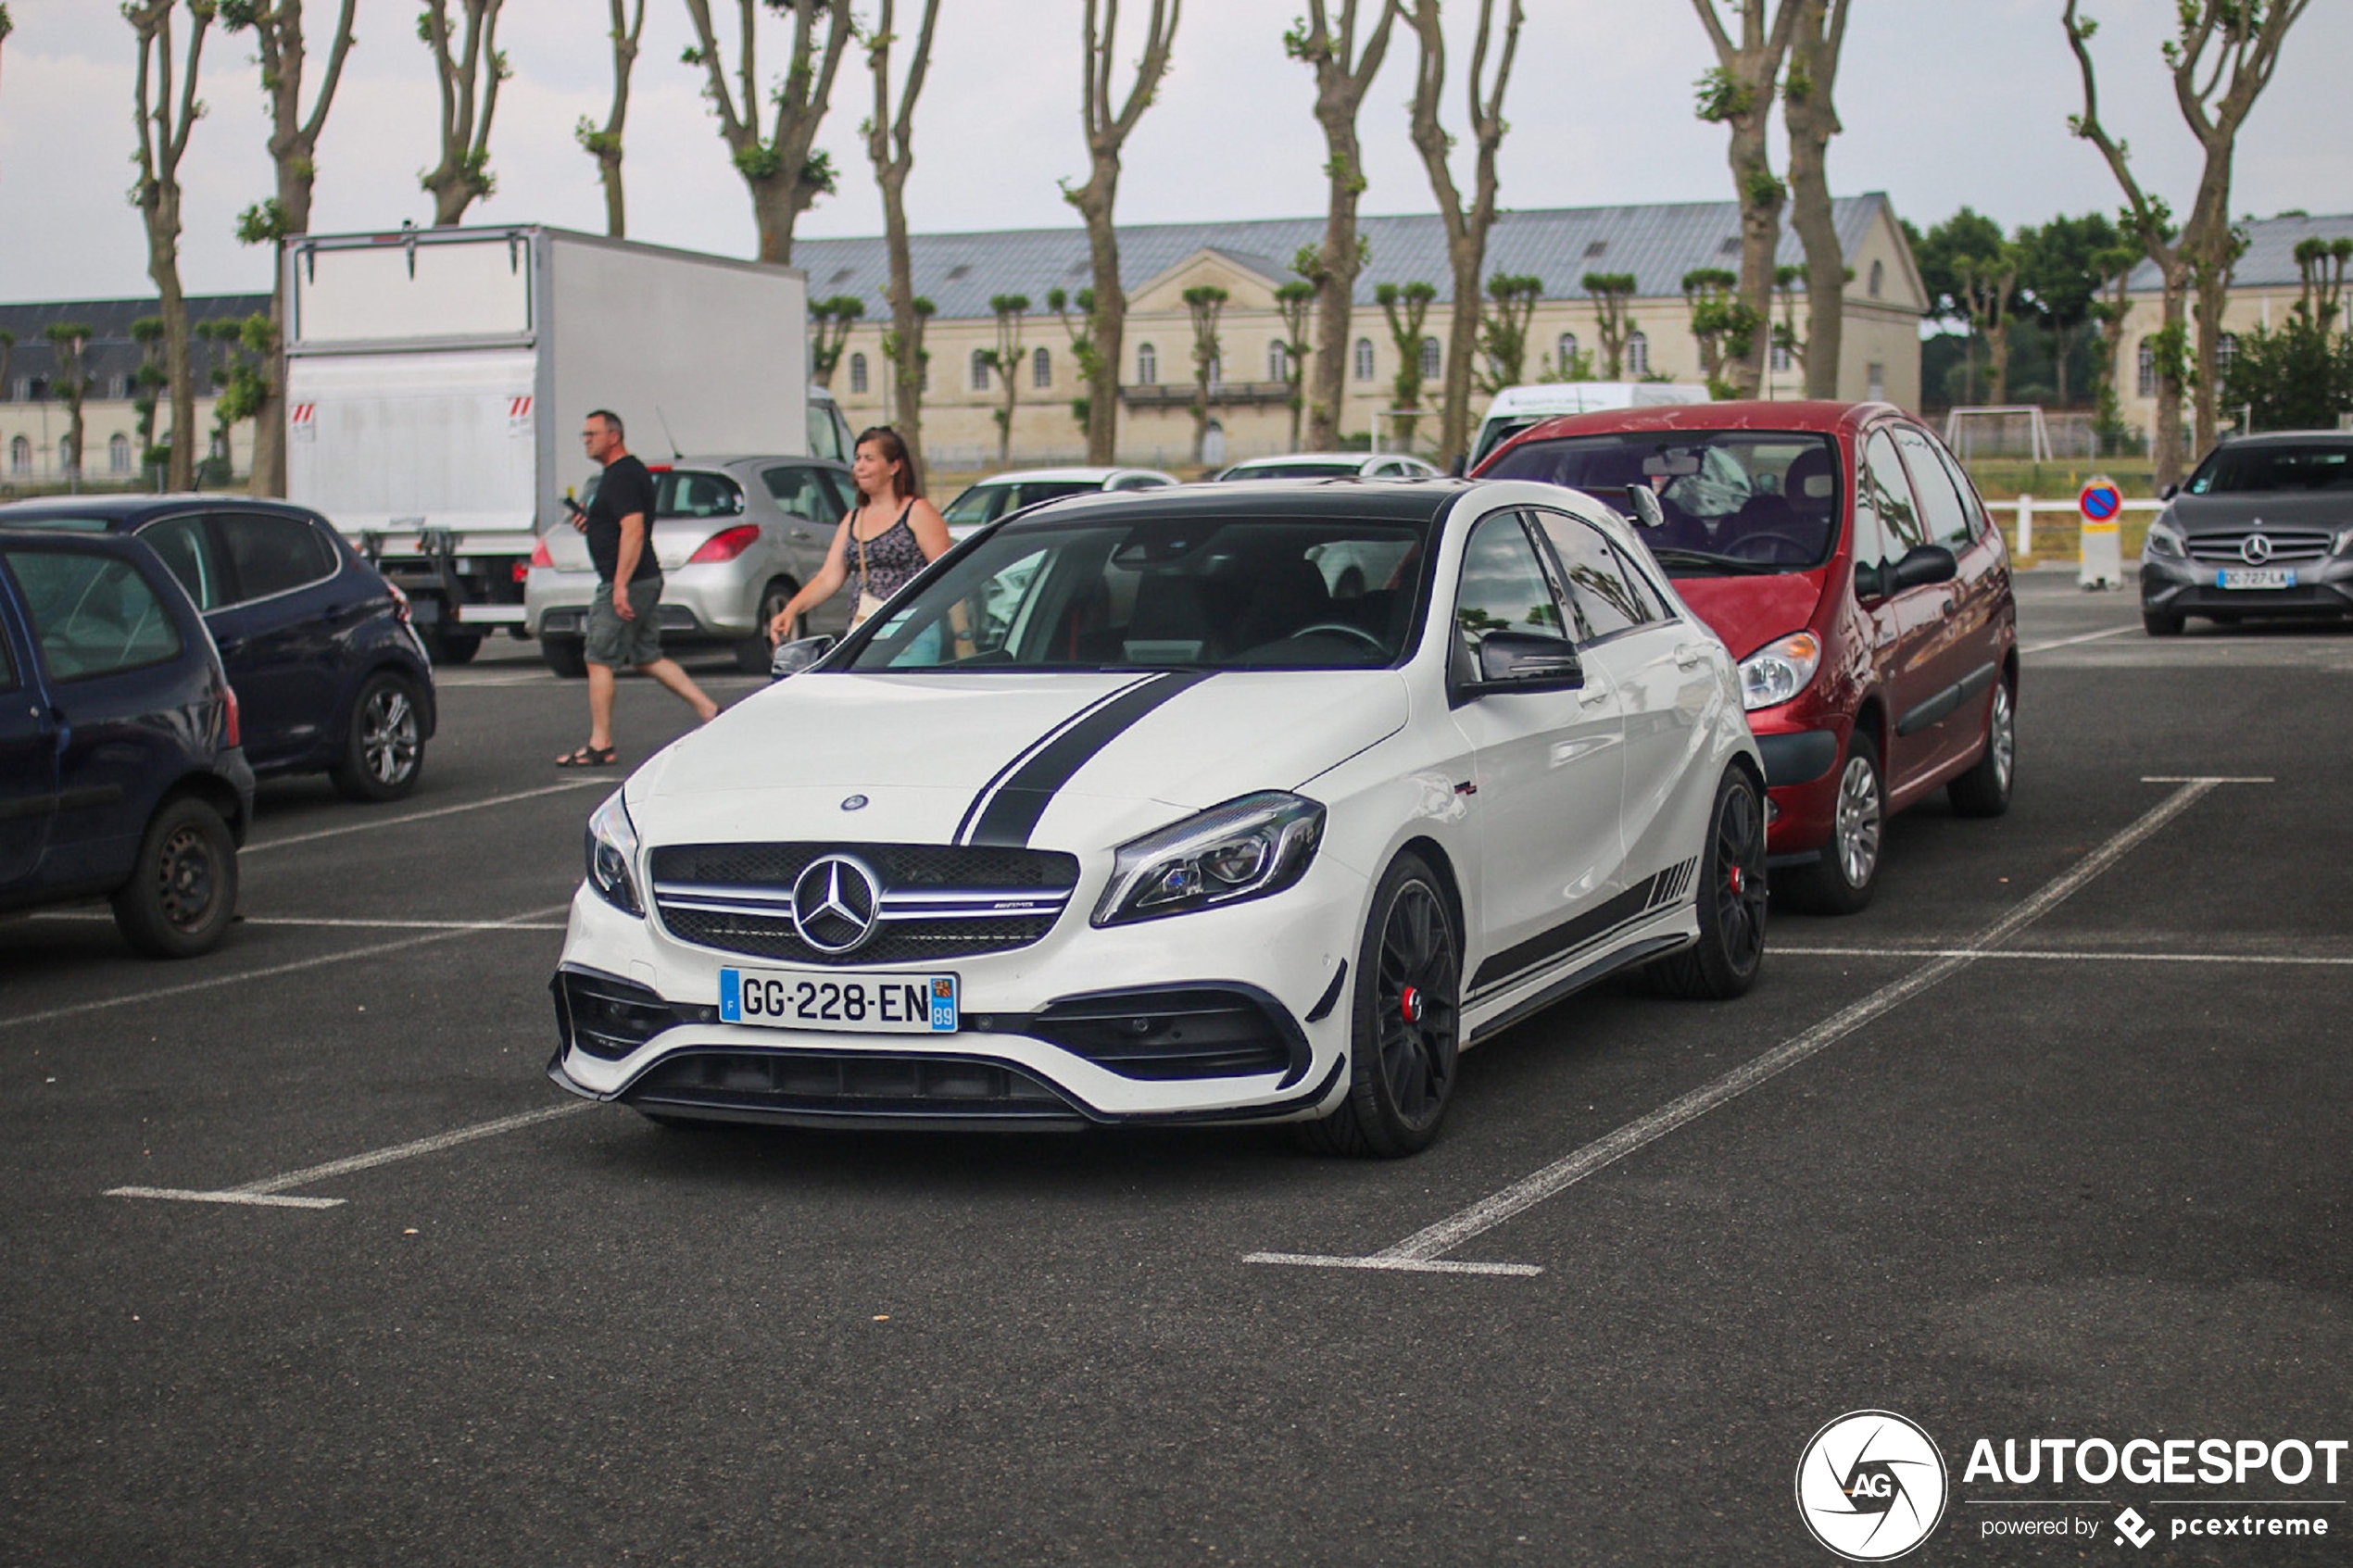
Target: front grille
point(737, 897)
point(828, 1084)
point(2287, 544)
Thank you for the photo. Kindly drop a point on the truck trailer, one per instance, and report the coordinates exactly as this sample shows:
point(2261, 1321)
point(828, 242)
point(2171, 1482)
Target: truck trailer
point(436, 379)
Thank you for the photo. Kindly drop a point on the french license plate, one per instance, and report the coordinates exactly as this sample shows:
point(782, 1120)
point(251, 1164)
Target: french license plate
point(869, 1003)
point(2255, 577)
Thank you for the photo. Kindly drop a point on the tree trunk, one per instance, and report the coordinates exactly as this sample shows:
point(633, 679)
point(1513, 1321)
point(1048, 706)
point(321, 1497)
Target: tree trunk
point(1812, 117)
point(1111, 311)
point(906, 324)
point(163, 266)
point(2213, 285)
point(1998, 360)
point(1760, 196)
point(2164, 442)
point(1337, 266)
point(616, 209)
point(1465, 256)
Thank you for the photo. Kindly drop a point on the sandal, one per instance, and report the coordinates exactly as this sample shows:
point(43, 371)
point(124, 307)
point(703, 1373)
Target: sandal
point(590, 756)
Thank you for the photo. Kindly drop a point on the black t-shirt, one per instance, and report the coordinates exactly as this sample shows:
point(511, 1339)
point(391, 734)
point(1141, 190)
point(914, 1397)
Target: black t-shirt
point(626, 487)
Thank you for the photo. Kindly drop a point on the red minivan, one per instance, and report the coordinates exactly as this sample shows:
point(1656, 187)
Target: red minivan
point(1848, 563)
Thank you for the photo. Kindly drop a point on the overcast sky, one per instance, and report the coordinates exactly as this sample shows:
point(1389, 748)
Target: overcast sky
point(1944, 102)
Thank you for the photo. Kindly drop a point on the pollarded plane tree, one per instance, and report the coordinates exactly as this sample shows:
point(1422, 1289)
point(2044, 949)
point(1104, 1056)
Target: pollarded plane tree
point(1466, 223)
point(1737, 94)
point(1204, 303)
point(1810, 115)
point(1407, 306)
point(1503, 332)
point(1006, 360)
point(829, 324)
point(2220, 60)
point(242, 347)
point(890, 147)
point(1096, 200)
point(603, 141)
point(283, 46)
point(468, 73)
point(1076, 313)
point(781, 165)
point(1344, 69)
point(166, 115)
point(68, 349)
point(1610, 293)
point(1295, 307)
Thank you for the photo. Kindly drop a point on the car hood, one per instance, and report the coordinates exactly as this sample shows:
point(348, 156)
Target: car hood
point(1748, 612)
point(920, 752)
point(2204, 514)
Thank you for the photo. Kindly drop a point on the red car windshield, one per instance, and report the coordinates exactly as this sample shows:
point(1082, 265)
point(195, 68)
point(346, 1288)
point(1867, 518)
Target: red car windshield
point(1736, 501)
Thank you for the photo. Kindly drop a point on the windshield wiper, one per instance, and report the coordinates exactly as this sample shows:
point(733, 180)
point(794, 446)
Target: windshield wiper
point(1710, 561)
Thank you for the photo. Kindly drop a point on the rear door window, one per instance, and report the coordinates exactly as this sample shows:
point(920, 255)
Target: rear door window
point(186, 547)
point(91, 615)
point(801, 493)
point(1945, 520)
point(270, 555)
point(1607, 593)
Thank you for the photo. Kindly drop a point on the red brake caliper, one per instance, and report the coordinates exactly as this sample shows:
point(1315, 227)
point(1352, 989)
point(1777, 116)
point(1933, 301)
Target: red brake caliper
point(1738, 879)
point(1410, 1004)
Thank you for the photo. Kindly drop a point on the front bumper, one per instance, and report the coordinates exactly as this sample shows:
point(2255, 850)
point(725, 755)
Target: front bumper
point(2323, 587)
point(718, 600)
point(1801, 756)
point(1226, 1015)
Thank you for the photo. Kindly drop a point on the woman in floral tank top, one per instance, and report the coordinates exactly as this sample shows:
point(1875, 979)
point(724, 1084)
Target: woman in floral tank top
point(885, 541)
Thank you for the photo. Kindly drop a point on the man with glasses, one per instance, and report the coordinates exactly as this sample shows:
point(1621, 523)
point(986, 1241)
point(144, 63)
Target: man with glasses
point(623, 625)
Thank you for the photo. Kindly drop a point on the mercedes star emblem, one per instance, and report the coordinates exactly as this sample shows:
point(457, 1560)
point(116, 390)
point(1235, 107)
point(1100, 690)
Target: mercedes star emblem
point(834, 902)
point(854, 803)
point(2257, 550)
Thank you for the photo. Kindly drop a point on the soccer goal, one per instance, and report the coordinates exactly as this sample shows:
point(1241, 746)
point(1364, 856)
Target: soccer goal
point(1960, 425)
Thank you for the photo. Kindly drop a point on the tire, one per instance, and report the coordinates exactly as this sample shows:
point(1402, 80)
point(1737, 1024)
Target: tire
point(455, 647)
point(383, 743)
point(752, 653)
point(1842, 880)
point(1723, 963)
point(183, 891)
point(2162, 623)
point(1404, 1036)
point(568, 657)
point(1984, 790)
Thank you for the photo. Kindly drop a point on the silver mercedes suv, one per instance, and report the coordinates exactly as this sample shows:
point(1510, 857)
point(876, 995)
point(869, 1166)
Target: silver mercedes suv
point(2264, 528)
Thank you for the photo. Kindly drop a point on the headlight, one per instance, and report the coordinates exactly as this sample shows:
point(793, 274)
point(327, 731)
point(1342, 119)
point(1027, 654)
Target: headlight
point(1246, 849)
point(1779, 670)
point(2166, 540)
point(612, 850)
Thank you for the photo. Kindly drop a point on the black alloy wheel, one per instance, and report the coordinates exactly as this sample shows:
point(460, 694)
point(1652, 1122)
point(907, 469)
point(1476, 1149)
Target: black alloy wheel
point(183, 891)
point(1984, 790)
point(1731, 906)
point(1406, 1037)
point(384, 741)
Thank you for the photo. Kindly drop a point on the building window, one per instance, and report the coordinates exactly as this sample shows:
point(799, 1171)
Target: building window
point(857, 373)
point(1429, 358)
point(1878, 279)
point(980, 370)
point(1041, 369)
point(118, 388)
point(117, 453)
point(2147, 379)
point(20, 455)
point(219, 444)
point(1638, 354)
point(1565, 350)
point(2226, 349)
point(1279, 361)
point(1364, 358)
point(1781, 359)
point(1875, 375)
point(1147, 364)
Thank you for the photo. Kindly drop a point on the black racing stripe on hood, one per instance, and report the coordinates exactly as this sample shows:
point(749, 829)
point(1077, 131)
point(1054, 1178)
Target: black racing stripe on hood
point(1003, 775)
point(1007, 817)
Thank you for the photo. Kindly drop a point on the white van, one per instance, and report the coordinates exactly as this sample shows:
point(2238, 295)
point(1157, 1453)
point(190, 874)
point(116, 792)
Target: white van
point(1516, 408)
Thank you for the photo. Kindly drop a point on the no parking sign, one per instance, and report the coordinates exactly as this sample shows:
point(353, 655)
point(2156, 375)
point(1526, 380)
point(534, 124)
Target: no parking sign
point(2099, 557)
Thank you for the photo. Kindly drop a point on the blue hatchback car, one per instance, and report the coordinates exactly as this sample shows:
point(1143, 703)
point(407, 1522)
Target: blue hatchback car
point(120, 773)
point(329, 673)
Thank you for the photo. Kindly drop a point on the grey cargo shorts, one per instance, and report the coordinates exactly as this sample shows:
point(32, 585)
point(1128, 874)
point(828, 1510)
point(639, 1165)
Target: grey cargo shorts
point(615, 643)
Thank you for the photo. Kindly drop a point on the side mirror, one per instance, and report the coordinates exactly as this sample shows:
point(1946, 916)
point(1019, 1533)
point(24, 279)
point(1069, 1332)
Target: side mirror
point(791, 658)
point(2168, 493)
point(1921, 565)
point(1524, 661)
point(1644, 505)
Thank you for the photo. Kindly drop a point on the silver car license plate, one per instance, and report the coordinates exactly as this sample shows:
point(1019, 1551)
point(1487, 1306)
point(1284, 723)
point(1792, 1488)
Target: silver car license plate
point(2255, 577)
point(865, 1004)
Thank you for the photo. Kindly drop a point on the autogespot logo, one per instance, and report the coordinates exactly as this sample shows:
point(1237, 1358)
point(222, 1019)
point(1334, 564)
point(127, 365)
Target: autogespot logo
point(1870, 1485)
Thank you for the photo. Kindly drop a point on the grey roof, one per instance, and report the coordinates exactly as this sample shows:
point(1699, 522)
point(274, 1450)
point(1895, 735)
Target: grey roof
point(111, 352)
point(2269, 260)
point(1658, 243)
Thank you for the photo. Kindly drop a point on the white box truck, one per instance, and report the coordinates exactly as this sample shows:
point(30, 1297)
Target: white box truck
point(436, 379)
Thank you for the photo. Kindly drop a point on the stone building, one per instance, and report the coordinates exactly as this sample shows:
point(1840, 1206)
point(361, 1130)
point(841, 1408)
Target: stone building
point(2263, 285)
point(35, 419)
point(1658, 244)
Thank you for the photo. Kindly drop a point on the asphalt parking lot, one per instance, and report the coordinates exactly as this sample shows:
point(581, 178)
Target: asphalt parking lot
point(2049, 1142)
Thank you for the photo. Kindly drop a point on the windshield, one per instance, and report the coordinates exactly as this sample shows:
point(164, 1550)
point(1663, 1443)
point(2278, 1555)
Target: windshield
point(986, 501)
point(1736, 500)
point(1291, 470)
point(1196, 593)
point(2238, 471)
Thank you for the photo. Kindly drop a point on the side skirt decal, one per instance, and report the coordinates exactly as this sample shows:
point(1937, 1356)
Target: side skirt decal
point(1515, 964)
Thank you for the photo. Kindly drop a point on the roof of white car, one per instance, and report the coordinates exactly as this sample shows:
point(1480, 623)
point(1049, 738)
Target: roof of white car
point(1351, 459)
point(1069, 476)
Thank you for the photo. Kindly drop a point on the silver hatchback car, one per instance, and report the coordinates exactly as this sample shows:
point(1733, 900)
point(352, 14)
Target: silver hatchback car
point(737, 537)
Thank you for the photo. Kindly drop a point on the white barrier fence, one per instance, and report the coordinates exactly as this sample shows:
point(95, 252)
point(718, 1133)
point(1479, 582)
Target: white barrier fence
point(2026, 505)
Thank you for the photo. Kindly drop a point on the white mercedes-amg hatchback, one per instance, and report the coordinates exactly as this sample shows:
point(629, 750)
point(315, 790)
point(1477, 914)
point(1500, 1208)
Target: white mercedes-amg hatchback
point(1233, 804)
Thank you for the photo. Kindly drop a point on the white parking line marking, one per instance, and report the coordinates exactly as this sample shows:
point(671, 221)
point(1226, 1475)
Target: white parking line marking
point(1433, 1242)
point(1392, 1265)
point(2049, 957)
point(2070, 642)
point(2199, 778)
point(423, 816)
point(77, 1008)
point(268, 1190)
